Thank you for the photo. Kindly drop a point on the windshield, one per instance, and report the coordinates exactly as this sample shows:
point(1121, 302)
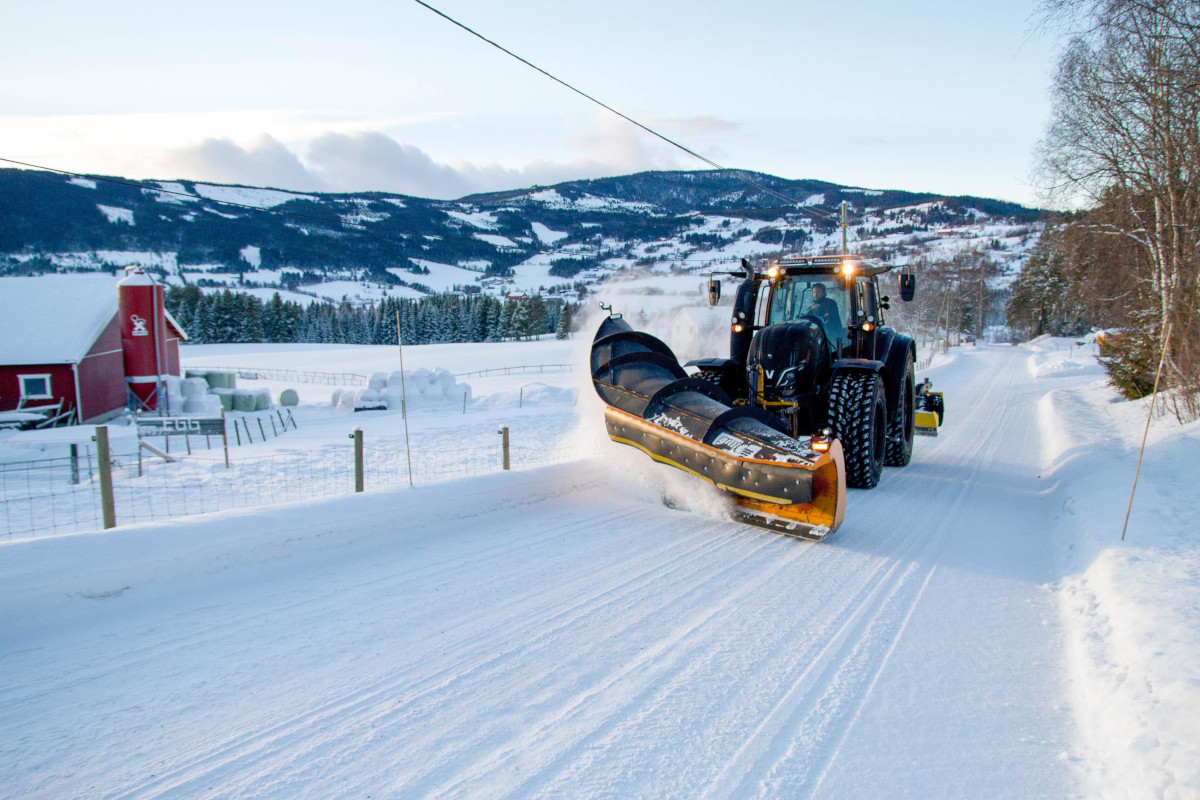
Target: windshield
point(824, 300)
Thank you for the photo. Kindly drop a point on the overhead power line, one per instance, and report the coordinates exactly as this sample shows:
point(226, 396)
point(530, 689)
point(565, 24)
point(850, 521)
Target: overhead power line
point(737, 174)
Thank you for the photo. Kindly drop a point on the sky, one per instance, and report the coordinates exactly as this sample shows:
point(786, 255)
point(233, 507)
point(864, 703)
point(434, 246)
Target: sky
point(929, 95)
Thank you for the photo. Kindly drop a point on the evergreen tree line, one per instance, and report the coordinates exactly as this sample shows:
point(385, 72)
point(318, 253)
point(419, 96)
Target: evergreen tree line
point(234, 317)
point(1123, 144)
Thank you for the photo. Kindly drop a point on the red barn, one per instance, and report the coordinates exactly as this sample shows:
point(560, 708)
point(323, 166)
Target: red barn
point(61, 343)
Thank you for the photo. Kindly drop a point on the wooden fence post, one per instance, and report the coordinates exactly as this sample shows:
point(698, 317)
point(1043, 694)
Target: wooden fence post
point(106, 485)
point(357, 436)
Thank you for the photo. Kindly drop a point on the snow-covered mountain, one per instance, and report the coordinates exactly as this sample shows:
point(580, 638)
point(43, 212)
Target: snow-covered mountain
point(542, 239)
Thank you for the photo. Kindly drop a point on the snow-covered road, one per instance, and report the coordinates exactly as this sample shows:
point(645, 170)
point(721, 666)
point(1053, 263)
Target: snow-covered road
point(561, 633)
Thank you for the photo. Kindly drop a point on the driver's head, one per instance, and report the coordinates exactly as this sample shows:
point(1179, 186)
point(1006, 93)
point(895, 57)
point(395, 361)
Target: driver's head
point(818, 291)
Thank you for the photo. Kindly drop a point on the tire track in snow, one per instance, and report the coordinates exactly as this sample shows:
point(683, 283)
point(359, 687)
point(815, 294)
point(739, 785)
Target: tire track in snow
point(536, 625)
point(814, 719)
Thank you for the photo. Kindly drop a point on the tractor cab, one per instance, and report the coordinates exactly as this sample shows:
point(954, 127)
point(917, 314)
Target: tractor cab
point(840, 293)
point(808, 345)
point(823, 299)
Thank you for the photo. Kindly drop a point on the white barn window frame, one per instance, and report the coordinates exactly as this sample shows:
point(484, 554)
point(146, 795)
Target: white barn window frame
point(39, 381)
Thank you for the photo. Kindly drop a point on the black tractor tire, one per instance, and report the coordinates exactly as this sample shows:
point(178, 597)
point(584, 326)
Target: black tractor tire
point(900, 428)
point(858, 417)
point(938, 406)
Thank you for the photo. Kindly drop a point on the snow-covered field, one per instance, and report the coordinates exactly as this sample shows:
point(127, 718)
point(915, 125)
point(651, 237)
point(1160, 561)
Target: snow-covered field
point(975, 629)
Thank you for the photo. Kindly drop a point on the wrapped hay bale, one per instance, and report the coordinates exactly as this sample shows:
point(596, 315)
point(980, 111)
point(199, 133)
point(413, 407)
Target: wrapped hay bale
point(197, 373)
point(172, 397)
point(393, 397)
point(420, 383)
point(214, 406)
point(194, 387)
point(444, 380)
point(378, 381)
point(369, 400)
point(224, 396)
point(243, 400)
point(262, 399)
point(197, 404)
point(290, 397)
point(222, 380)
point(346, 400)
point(333, 400)
point(395, 378)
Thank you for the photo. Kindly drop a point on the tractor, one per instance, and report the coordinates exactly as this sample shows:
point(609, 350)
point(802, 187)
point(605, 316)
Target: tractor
point(808, 343)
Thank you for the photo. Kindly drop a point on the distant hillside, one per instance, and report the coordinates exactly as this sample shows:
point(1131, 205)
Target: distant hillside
point(366, 245)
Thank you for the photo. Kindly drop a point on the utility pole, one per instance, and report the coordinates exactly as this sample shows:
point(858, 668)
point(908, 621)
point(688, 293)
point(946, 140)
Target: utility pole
point(845, 250)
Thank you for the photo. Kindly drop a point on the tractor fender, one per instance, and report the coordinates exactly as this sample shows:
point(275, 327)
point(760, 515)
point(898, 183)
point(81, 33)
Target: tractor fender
point(713, 364)
point(862, 364)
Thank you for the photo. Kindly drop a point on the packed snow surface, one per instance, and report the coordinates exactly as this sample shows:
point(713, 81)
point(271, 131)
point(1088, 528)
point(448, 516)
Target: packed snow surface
point(975, 629)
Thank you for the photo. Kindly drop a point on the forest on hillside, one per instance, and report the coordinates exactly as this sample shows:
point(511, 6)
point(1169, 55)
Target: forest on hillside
point(230, 317)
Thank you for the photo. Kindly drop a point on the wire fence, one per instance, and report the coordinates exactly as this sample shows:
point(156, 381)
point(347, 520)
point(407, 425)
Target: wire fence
point(294, 375)
point(355, 379)
point(49, 496)
point(524, 369)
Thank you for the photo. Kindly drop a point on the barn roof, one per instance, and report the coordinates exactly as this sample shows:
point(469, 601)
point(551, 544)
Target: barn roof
point(54, 319)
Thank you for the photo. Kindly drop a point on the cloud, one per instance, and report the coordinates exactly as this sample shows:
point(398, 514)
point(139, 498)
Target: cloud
point(267, 162)
point(337, 161)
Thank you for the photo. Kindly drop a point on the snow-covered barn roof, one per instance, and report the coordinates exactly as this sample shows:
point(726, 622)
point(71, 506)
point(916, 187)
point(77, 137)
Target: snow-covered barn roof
point(55, 319)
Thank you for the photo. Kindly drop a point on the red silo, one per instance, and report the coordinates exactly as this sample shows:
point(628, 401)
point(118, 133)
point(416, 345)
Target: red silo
point(143, 335)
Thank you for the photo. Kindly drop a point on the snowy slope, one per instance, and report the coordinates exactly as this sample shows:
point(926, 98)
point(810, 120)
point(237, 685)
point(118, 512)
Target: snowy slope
point(974, 630)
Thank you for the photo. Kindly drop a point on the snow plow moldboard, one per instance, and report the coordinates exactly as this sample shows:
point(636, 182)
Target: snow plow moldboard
point(777, 482)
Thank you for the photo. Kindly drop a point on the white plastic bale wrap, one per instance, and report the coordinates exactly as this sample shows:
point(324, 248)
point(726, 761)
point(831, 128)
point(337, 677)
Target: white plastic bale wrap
point(378, 381)
point(222, 380)
point(244, 400)
point(368, 399)
point(445, 381)
point(202, 405)
point(346, 400)
point(225, 397)
point(193, 387)
point(173, 386)
point(262, 399)
point(425, 388)
point(290, 397)
point(417, 382)
point(393, 397)
point(336, 396)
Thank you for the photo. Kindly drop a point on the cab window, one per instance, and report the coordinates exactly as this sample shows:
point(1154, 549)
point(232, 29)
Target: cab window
point(825, 300)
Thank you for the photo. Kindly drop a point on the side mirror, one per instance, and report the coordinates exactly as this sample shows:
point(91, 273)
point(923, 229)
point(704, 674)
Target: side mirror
point(908, 286)
point(714, 290)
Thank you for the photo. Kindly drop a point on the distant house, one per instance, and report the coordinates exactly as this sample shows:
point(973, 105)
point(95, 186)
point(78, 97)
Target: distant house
point(60, 346)
point(699, 332)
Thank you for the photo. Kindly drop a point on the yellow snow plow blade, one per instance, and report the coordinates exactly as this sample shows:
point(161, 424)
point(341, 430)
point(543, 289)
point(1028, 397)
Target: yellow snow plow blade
point(804, 497)
point(926, 423)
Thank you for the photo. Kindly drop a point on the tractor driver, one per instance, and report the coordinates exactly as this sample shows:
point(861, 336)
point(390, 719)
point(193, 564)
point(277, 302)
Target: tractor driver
point(825, 309)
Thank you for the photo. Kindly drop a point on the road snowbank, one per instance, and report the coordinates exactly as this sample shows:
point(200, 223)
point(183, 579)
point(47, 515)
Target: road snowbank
point(1130, 610)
